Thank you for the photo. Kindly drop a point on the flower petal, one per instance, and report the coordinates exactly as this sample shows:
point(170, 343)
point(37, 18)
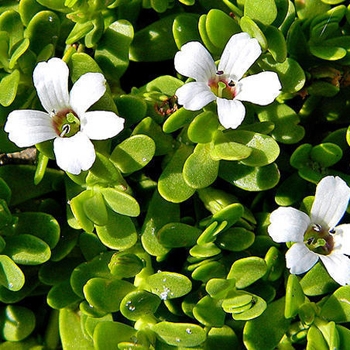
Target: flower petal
point(338, 267)
point(331, 200)
point(261, 88)
point(101, 125)
point(87, 90)
point(288, 225)
point(195, 61)
point(240, 53)
point(231, 113)
point(341, 239)
point(27, 127)
point(74, 154)
point(51, 82)
point(194, 96)
point(300, 259)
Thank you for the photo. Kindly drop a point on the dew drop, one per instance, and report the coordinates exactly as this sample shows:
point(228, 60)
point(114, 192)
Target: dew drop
point(177, 340)
point(188, 330)
point(144, 159)
point(10, 285)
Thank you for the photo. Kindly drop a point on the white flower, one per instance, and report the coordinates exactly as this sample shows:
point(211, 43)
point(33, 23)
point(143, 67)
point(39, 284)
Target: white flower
point(317, 236)
point(67, 120)
point(225, 83)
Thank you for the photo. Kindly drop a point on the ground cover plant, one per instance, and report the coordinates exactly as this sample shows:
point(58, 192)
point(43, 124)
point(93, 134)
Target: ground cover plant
point(174, 174)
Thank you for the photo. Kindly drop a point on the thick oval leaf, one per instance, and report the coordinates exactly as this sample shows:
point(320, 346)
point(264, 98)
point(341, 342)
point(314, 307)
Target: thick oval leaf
point(247, 270)
point(171, 184)
point(185, 29)
point(27, 250)
point(169, 285)
point(155, 42)
point(11, 276)
point(209, 312)
point(138, 304)
point(98, 292)
point(200, 170)
point(8, 87)
point(119, 232)
point(112, 52)
point(248, 178)
point(264, 11)
point(18, 323)
point(42, 30)
point(177, 234)
point(133, 154)
point(183, 334)
point(121, 202)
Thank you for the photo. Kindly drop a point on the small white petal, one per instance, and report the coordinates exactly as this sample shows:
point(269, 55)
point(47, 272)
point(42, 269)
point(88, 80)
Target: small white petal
point(300, 259)
point(338, 267)
point(51, 82)
point(261, 88)
point(101, 125)
point(288, 225)
point(231, 113)
point(87, 90)
point(194, 96)
point(27, 127)
point(195, 61)
point(341, 239)
point(331, 200)
point(74, 154)
point(240, 53)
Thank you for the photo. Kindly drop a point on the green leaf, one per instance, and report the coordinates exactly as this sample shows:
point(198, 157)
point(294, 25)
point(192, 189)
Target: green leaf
point(247, 270)
point(203, 127)
point(40, 225)
point(108, 335)
point(276, 43)
point(11, 276)
point(26, 249)
point(200, 170)
point(169, 285)
point(235, 239)
point(95, 209)
point(250, 27)
point(177, 234)
point(71, 333)
point(10, 22)
point(226, 148)
point(8, 87)
point(17, 322)
point(171, 184)
point(133, 153)
point(61, 296)
point(178, 119)
point(248, 178)
point(317, 281)
point(290, 73)
point(119, 233)
point(97, 292)
point(112, 52)
point(160, 213)
point(326, 154)
point(173, 334)
point(42, 30)
point(185, 29)
point(155, 42)
point(138, 304)
point(294, 297)
point(208, 312)
point(271, 326)
point(220, 35)
point(264, 11)
point(336, 308)
point(121, 202)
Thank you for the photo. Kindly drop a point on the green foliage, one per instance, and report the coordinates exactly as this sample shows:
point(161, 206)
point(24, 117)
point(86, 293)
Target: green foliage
point(163, 242)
